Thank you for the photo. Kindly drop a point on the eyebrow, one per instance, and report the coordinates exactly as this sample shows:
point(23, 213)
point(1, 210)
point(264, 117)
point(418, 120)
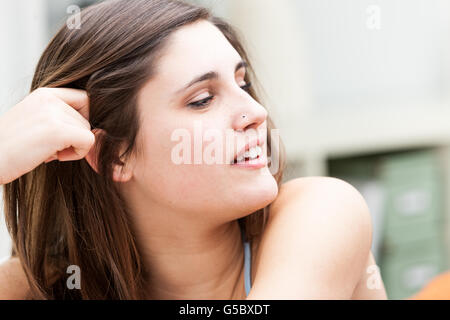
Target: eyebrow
point(211, 75)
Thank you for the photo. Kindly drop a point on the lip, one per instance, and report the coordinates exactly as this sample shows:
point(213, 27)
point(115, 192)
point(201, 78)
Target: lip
point(250, 144)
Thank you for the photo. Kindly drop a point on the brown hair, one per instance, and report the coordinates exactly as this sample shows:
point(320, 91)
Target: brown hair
point(64, 213)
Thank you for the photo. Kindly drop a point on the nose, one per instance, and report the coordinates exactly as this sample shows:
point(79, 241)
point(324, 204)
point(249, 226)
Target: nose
point(250, 115)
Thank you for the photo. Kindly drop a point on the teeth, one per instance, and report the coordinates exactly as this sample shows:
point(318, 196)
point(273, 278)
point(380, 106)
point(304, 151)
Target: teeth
point(252, 153)
point(255, 152)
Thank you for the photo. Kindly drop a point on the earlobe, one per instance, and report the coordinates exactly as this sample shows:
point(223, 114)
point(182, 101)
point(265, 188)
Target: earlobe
point(122, 169)
point(121, 174)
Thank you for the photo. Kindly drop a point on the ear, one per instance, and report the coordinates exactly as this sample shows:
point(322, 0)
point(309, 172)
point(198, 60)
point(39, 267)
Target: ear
point(121, 171)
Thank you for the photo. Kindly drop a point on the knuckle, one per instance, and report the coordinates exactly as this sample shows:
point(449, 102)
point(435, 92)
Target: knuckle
point(84, 123)
point(88, 125)
point(91, 138)
point(42, 93)
point(88, 138)
point(41, 90)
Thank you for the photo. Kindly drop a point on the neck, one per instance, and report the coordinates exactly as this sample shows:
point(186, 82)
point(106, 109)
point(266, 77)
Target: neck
point(187, 259)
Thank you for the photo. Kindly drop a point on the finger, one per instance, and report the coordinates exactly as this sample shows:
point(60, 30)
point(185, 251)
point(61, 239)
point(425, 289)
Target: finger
point(54, 157)
point(76, 98)
point(68, 154)
point(74, 117)
point(79, 139)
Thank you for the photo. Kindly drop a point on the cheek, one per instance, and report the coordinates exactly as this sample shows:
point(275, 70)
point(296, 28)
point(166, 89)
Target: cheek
point(178, 185)
point(199, 188)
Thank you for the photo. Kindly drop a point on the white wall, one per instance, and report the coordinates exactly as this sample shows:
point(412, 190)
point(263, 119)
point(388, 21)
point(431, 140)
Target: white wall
point(274, 38)
point(22, 37)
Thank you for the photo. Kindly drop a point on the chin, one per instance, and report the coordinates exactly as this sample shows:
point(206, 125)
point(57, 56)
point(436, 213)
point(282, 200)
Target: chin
point(269, 194)
point(259, 196)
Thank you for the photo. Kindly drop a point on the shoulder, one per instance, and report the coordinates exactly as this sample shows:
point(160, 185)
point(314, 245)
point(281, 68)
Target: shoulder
point(319, 191)
point(322, 200)
point(316, 241)
point(13, 281)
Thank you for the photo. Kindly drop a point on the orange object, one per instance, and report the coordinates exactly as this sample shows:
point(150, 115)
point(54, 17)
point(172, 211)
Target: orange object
point(437, 289)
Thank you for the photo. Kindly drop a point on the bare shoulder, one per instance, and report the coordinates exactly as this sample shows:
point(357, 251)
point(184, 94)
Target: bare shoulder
point(13, 281)
point(318, 203)
point(309, 190)
point(316, 242)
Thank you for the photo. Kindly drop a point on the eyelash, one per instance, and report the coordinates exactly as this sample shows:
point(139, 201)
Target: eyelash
point(203, 103)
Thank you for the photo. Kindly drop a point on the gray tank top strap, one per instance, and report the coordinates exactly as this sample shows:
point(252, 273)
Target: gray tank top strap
point(247, 263)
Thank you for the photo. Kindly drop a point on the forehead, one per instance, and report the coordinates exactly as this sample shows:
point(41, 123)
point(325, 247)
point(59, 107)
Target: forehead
point(197, 47)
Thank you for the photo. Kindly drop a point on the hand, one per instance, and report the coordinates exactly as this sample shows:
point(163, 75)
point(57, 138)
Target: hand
point(49, 124)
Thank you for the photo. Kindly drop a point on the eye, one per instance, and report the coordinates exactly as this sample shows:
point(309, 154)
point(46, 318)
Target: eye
point(247, 86)
point(201, 103)
point(205, 102)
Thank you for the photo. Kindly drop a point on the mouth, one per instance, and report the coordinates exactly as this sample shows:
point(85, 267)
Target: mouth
point(252, 151)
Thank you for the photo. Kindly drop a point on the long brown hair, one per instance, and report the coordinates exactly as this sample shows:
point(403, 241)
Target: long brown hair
point(64, 213)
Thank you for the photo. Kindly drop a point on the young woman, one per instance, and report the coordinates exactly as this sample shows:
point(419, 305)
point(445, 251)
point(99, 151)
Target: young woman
point(105, 103)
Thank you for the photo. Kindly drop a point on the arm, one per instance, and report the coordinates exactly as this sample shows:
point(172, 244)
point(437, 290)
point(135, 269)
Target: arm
point(13, 281)
point(370, 286)
point(316, 243)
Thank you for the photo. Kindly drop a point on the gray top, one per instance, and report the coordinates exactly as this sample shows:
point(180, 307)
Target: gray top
point(247, 264)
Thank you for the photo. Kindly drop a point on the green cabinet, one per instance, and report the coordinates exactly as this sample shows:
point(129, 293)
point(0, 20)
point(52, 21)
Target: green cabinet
point(413, 248)
point(413, 186)
point(407, 268)
point(411, 216)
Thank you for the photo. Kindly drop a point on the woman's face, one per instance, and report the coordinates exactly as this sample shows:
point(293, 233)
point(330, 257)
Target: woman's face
point(169, 123)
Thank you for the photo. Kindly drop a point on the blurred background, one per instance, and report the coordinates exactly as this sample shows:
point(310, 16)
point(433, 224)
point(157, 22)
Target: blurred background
point(359, 89)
